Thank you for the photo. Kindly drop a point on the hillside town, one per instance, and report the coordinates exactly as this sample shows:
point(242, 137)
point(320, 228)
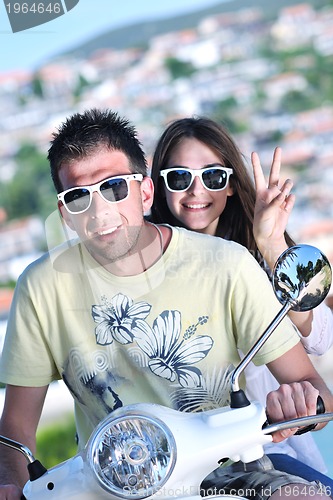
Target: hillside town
point(270, 81)
point(232, 67)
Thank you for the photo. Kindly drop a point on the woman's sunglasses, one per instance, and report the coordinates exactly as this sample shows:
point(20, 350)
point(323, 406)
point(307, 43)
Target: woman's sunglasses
point(78, 199)
point(178, 179)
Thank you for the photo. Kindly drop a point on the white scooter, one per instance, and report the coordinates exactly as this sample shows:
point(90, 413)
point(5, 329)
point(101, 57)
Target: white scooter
point(150, 451)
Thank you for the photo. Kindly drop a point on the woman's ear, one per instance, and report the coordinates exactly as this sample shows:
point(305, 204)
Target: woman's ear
point(65, 215)
point(230, 189)
point(147, 193)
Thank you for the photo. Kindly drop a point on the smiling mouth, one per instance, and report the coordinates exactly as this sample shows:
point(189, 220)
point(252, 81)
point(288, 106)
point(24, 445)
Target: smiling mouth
point(104, 232)
point(196, 206)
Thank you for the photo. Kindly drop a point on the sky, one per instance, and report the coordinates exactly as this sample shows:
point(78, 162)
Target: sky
point(29, 48)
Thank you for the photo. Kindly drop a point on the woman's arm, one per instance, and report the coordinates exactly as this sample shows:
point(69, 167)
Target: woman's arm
point(274, 203)
point(321, 338)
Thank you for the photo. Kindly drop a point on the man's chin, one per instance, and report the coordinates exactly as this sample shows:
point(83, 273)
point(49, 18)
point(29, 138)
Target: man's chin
point(107, 254)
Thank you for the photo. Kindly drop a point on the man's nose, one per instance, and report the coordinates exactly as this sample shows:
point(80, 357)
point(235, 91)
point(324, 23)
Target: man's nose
point(100, 206)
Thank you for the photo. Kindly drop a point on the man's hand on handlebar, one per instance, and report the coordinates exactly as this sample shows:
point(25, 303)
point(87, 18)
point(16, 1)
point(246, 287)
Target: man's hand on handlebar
point(298, 399)
point(10, 492)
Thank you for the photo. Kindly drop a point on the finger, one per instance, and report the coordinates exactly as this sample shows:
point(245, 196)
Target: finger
point(273, 406)
point(311, 395)
point(283, 197)
point(277, 200)
point(290, 401)
point(289, 203)
point(287, 187)
point(274, 174)
point(287, 402)
point(286, 202)
point(282, 435)
point(277, 413)
point(300, 408)
point(302, 401)
point(258, 174)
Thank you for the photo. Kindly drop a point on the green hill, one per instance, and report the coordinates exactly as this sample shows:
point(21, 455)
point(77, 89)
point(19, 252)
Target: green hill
point(138, 35)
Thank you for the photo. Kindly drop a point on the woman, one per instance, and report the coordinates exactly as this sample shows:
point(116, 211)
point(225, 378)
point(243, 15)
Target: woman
point(201, 183)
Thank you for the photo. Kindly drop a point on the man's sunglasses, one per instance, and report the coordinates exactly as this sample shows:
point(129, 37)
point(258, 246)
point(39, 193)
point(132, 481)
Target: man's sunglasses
point(78, 199)
point(178, 179)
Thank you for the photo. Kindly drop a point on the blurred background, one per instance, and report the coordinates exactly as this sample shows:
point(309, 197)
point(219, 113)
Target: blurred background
point(263, 69)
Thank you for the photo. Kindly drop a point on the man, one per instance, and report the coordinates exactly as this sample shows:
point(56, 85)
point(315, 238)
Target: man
point(134, 312)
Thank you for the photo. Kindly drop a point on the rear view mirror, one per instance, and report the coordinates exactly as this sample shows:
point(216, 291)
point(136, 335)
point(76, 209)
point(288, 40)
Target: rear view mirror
point(302, 277)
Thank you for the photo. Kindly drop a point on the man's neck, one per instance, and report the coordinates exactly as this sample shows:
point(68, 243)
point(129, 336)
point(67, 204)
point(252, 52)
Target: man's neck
point(147, 251)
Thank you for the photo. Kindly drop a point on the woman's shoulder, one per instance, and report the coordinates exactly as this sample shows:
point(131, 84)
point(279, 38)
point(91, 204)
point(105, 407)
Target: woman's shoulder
point(214, 247)
point(209, 240)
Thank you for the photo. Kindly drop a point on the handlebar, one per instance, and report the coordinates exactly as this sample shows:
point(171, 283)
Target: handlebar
point(311, 427)
point(298, 422)
point(306, 423)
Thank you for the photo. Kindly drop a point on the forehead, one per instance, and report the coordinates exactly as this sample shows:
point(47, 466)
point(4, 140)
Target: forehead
point(95, 167)
point(192, 153)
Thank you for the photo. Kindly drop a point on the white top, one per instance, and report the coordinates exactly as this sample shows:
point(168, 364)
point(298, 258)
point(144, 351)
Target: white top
point(318, 342)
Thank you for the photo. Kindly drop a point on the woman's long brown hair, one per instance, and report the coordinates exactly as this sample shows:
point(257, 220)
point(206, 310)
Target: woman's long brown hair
point(236, 221)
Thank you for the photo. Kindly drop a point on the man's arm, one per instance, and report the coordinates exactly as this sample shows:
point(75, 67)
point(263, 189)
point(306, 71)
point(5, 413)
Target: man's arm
point(300, 386)
point(19, 421)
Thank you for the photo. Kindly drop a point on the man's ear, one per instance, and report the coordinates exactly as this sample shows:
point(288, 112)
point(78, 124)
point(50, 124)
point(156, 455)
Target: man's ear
point(65, 215)
point(147, 193)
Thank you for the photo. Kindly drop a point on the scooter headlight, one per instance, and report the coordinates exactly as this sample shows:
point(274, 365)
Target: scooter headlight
point(132, 456)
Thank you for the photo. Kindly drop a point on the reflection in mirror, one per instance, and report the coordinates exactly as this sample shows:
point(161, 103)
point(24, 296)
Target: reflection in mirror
point(302, 276)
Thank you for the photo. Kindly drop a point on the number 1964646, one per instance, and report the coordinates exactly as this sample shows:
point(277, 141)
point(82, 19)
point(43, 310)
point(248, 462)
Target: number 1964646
point(35, 8)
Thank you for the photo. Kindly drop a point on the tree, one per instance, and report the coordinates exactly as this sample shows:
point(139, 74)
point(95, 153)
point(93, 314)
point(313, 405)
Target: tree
point(178, 68)
point(296, 101)
point(30, 191)
point(37, 86)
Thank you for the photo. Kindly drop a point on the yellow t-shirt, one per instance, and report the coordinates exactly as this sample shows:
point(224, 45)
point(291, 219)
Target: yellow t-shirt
point(169, 335)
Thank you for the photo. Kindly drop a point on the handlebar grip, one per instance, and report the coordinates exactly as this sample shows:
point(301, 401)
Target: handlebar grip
point(320, 405)
point(320, 409)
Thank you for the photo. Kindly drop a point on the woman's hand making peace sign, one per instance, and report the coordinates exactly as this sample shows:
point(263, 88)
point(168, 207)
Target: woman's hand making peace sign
point(274, 203)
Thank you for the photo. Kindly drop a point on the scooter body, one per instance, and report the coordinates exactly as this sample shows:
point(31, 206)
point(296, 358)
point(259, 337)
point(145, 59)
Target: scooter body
point(150, 451)
point(196, 444)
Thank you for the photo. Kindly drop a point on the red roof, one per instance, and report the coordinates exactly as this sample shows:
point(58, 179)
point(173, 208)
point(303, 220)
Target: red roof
point(6, 296)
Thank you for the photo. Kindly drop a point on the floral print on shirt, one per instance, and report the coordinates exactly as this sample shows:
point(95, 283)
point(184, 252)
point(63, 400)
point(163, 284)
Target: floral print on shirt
point(160, 348)
point(169, 357)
